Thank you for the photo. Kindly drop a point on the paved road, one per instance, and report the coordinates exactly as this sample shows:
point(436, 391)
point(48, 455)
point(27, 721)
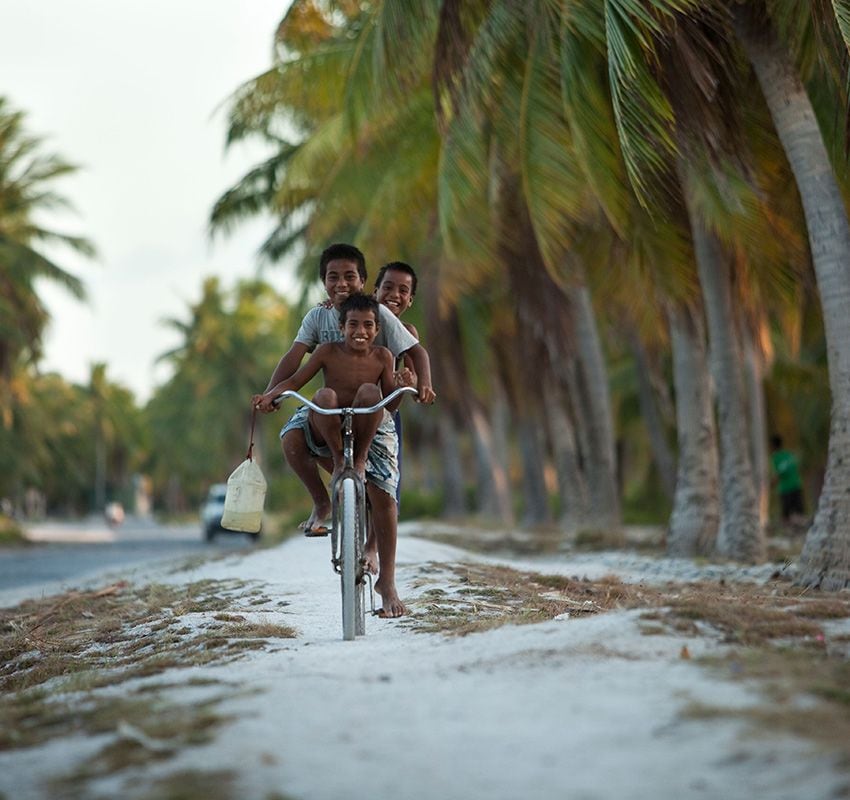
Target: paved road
point(65, 554)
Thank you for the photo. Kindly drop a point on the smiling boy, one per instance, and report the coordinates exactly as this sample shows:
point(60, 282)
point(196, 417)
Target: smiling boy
point(342, 268)
point(356, 373)
point(395, 288)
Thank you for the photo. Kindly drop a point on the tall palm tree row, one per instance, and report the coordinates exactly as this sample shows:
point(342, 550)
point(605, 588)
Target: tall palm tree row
point(612, 141)
point(29, 442)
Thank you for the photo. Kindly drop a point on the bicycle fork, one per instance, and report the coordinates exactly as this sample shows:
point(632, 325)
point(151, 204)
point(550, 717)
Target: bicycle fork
point(363, 516)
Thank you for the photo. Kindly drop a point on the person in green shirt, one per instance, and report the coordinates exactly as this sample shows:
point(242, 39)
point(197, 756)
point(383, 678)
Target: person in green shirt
point(786, 471)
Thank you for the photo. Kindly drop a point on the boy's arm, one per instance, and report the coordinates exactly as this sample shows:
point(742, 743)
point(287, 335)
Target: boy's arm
point(306, 340)
point(288, 364)
point(294, 382)
point(285, 368)
point(422, 368)
point(387, 380)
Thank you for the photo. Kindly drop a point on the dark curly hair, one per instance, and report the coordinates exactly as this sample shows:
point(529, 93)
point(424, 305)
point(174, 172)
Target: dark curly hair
point(344, 252)
point(359, 302)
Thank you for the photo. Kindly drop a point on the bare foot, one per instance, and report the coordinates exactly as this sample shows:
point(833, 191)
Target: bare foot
point(392, 605)
point(318, 523)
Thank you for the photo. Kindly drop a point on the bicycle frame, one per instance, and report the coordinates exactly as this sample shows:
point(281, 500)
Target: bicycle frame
point(349, 526)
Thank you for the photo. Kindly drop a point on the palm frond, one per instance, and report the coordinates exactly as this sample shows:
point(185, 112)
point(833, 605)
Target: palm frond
point(643, 115)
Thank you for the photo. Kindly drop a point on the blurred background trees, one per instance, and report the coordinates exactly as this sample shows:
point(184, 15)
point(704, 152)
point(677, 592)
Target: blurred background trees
point(633, 267)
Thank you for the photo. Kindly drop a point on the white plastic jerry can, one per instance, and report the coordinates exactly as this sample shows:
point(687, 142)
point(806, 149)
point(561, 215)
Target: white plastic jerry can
point(243, 503)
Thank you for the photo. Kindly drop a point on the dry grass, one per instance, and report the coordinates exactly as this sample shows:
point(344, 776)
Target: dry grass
point(120, 632)
point(465, 598)
point(784, 675)
point(542, 540)
point(482, 597)
point(193, 785)
point(62, 656)
point(775, 633)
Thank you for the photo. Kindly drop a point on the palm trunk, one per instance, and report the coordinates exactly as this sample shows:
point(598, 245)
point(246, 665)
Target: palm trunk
point(454, 490)
point(665, 461)
point(450, 373)
point(601, 463)
point(825, 560)
point(754, 373)
point(494, 497)
point(571, 484)
point(536, 501)
point(696, 504)
point(741, 536)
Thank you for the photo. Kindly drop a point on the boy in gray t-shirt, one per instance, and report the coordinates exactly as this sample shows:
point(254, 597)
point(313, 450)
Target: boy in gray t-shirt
point(342, 268)
point(321, 324)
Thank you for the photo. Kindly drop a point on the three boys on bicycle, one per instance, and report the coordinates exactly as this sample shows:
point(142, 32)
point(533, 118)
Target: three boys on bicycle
point(354, 341)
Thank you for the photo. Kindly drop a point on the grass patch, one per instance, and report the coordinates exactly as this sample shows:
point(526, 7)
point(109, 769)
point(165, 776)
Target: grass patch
point(494, 540)
point(464, 598)
point(145, 731)
point(11, 534)
point(120, 631)
point(785, 675)
point(596, 540)
point(776, 632)
point(543, 540)
point(481, 597)
point(63, 656)
point(194, 785)
point(81, 642)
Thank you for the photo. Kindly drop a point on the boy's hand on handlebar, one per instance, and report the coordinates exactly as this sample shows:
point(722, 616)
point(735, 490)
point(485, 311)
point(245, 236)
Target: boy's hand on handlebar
point(405, 377)
point(427, 394)
point(263, 402)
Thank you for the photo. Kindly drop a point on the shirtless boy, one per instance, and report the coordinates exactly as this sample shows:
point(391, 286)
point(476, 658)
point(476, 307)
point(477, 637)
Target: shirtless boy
point(342, 269)
point(356, 373)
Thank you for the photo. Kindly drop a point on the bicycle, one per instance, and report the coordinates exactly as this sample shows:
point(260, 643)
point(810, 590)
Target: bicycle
point(349, 517)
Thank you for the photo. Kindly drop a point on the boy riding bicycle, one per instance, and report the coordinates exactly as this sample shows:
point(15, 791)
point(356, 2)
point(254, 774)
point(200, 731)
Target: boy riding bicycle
point(357, 373)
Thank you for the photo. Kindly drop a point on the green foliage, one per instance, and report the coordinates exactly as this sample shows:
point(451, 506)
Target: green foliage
point(27, 177)
point(199, 420)
point(49, 444)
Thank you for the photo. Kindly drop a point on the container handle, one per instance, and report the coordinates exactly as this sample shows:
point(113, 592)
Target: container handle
point(249, 454)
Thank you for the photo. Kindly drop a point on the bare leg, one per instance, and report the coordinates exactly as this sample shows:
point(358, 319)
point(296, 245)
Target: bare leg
point(304, 466)
point(328, 428)
point(365, 425)
point(370, 553)
point(385, 521)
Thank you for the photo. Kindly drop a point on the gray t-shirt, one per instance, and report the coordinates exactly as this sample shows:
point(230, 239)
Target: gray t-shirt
point(321, 325)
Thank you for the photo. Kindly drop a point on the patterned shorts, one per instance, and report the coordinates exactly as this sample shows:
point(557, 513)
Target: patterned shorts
point(381, 461)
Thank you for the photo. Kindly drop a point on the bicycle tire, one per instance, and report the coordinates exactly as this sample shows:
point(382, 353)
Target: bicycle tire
point(360, 593)
point(348, 557)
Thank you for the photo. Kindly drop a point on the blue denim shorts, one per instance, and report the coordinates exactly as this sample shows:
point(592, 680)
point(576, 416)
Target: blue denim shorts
point(381, 461)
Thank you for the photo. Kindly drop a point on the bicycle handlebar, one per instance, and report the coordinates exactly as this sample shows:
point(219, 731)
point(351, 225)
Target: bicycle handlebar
point(352, 409)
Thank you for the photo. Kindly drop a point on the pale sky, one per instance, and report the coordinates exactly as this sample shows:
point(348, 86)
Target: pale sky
point(131, 92)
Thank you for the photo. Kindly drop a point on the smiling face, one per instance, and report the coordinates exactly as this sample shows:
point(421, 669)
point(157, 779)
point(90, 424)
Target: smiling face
point(359, 329)
point(341, 280)
point(395, 291)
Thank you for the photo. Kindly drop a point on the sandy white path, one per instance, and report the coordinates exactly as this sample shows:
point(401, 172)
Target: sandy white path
point(573, 709)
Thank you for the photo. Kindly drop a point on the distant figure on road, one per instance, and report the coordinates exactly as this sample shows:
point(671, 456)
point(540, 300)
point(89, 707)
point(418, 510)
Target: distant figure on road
point(786, 470)
point(114, 513)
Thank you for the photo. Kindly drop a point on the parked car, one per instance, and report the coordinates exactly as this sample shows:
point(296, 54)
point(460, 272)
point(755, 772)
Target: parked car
point(211, 511)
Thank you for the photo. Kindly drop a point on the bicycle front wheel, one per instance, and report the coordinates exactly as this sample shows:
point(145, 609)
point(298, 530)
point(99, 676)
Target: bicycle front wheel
point(348, 557)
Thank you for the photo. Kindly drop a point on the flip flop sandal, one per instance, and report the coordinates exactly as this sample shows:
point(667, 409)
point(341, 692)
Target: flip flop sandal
point(318, 530)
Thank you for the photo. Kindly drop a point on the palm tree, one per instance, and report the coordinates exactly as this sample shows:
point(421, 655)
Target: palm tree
point(825, 560)
point(26, 178)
